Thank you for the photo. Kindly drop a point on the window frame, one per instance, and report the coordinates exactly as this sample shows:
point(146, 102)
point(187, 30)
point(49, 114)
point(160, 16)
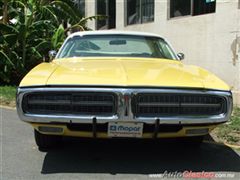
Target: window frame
point(141, 18)
point(191, 11)
point(107, 14)
point(66, 47)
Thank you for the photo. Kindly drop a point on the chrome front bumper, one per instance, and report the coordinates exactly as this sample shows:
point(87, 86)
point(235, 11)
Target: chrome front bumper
point(122, 93)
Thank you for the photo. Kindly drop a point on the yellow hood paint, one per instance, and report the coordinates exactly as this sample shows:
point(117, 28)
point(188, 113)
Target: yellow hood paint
point(122, 72)
point(39, 74)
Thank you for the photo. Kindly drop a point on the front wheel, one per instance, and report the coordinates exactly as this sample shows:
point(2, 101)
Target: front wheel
point(46, 141)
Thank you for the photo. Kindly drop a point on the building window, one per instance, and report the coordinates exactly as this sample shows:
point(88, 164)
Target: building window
point(108, 8)
point(80, 4)
point(139, 11)
point(203, 7)
point(180, 8)
point(191, 7)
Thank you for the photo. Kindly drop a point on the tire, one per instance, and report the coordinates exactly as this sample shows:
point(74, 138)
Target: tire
point(46, 141)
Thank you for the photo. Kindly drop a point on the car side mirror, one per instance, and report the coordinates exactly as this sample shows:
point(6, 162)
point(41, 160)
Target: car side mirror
point(52, 54)
point(180, 56)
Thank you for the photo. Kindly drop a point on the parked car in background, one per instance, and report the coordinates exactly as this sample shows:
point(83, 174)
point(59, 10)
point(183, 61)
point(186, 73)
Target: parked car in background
point(118, 84)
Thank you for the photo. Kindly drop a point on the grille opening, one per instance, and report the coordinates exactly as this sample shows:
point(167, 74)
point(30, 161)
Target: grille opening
point(154, 105)
point(87, 127)
point(77, 103)
point(162, 128)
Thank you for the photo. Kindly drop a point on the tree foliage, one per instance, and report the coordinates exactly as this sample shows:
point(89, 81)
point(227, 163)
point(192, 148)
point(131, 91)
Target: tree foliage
point(29, 29)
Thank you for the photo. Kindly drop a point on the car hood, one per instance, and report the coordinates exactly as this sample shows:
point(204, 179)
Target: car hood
point(122, 72)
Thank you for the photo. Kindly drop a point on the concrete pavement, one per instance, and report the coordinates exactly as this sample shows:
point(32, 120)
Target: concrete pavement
point(105, 159)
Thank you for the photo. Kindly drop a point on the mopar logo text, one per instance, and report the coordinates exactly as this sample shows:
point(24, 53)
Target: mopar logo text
point(124, 128)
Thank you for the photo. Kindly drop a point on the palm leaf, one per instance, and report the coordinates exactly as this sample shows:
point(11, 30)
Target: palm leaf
point(4, 56)
point(58, 38)
point(47, 10)
point(8, 28)
point(66, 8)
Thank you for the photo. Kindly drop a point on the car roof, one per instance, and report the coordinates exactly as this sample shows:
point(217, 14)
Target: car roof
point(113, 32)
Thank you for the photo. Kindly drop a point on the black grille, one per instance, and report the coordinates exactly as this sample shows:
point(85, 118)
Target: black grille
point(78, 103)
point(87, 127)
point(154, 105)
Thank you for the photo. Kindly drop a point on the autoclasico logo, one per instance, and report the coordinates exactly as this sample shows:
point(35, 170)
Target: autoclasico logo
point(191, 175)
point(124, 128)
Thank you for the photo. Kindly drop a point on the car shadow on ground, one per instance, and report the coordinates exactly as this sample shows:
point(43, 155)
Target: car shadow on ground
point(138, 157)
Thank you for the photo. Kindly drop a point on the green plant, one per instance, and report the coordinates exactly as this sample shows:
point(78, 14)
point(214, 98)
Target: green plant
point(29, 29)
point(230, 131)
point(7, 95)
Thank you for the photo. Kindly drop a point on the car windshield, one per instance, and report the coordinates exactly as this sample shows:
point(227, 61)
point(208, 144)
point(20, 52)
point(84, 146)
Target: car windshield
point(116, 46)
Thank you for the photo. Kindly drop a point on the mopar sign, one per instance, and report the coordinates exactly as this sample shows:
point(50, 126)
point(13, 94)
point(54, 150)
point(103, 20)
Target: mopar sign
point(123, 129)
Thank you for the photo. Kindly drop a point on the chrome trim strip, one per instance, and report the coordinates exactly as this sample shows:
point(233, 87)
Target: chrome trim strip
point(49, 102)
point(158, 104)
point(100, 86)
point(199, 105)
point(93, 103)
point(123, 107)
point(178, 104)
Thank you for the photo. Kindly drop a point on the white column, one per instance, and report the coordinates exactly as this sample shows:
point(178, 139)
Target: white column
point(120, 16)
point(90, 9)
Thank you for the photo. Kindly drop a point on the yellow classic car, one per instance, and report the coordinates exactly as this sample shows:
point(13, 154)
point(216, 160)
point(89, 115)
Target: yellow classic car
point(119, 84)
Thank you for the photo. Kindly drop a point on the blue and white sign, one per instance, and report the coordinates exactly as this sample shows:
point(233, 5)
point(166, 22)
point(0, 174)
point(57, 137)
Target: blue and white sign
point(125, 129)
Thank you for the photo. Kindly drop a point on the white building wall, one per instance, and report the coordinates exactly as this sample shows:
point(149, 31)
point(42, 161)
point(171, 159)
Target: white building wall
point(206, 40)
